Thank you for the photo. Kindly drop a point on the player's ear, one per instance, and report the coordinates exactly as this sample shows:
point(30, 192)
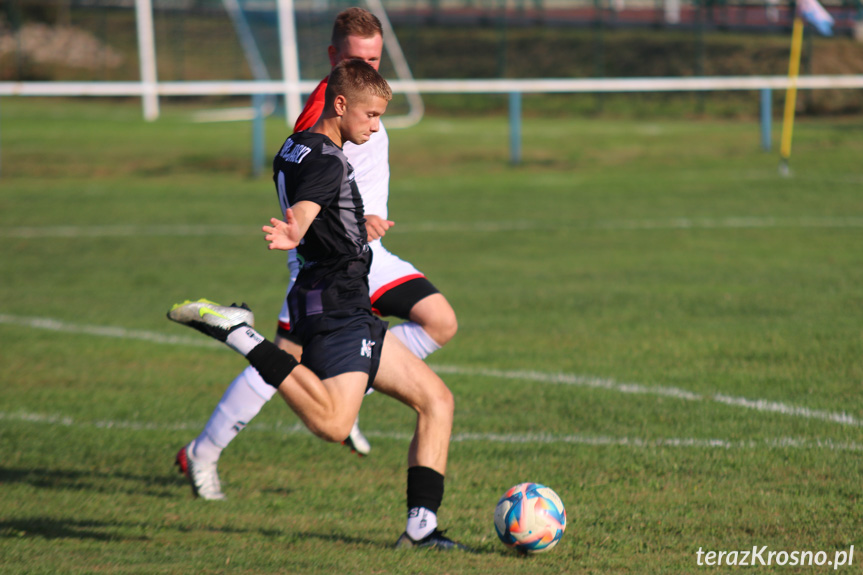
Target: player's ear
point(340, 105)
point(333, 53)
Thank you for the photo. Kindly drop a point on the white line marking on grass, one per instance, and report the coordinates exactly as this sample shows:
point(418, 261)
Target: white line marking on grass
point(761, 405)
point(638, 442)
point(776, 407)
point(742, 222)
point(66, 421)
point(504, 438)
point(104, 331)
point(637, 388)
point(731, 223)
point(124, 231)
point(652, 224)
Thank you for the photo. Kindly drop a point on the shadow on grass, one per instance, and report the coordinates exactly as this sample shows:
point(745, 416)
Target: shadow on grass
point(340, 538)
point(161, 486)
point(280, 491)
point(96, 481)
point(50, 528)
point(57, 528)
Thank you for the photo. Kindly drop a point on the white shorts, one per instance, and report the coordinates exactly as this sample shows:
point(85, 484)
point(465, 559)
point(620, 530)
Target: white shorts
point(387, 271)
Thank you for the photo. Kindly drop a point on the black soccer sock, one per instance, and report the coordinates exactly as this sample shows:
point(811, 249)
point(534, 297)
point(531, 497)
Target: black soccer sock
point(425, 488)
point(272, 362)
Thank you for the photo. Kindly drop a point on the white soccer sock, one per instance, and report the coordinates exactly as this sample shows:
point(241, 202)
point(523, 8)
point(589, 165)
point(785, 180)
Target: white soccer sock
point(421, 522)
point(242, 401)
point(244, 339)
point(416, 339)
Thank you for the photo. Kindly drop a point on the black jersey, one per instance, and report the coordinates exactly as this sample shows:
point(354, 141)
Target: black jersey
point(334, 254)
point(310, 167)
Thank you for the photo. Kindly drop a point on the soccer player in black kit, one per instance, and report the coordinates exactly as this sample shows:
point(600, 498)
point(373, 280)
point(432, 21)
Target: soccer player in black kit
point(346, 349)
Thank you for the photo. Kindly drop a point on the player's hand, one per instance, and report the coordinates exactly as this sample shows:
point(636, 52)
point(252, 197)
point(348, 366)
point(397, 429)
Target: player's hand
point(377, 227)
point(283, 235)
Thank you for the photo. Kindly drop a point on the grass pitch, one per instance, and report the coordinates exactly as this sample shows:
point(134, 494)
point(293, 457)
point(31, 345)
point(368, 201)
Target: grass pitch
point(652, 322)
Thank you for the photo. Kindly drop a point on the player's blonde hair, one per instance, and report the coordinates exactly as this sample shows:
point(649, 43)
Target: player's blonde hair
point(355, 80)
point(355, 22)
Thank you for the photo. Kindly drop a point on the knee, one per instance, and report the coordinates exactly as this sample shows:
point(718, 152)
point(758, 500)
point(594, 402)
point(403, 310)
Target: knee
point(442, 403)
point(330, 431)
point(442, 325)
point(448, 328)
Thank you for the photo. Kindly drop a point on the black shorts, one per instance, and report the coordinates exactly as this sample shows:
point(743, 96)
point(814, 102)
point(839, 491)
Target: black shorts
point(340, 342)
point(400, 300)
point(397, 302)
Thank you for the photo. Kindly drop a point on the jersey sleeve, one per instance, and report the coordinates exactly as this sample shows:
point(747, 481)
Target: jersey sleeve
point(320, 180)
point(313, 108)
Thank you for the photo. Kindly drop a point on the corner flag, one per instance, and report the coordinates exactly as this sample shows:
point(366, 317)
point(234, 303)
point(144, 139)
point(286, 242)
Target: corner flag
point(815, 14)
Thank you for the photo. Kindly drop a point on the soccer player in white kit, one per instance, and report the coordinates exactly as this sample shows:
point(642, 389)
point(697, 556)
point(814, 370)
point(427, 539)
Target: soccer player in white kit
point(396, 287)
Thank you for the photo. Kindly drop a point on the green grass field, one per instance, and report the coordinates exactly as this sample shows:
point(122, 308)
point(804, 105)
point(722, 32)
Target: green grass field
point(652, 322)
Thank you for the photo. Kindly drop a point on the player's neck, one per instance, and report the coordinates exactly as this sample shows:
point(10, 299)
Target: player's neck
point(329, 127)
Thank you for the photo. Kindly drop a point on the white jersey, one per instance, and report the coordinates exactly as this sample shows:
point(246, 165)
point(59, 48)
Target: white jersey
point(372, 171)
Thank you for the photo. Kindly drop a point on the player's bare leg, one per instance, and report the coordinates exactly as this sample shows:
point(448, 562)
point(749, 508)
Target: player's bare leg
point(436, 316)
point(405, 377)
point(354, 439)
point(327, 407)
point(292, 348)
point(430, 324)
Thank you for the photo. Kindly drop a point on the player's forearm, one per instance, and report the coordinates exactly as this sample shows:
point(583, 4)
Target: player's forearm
point(305, 213)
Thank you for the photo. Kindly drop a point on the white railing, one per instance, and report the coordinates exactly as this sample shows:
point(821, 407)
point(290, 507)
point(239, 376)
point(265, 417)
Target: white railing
point(514, 88)
point(506, 86)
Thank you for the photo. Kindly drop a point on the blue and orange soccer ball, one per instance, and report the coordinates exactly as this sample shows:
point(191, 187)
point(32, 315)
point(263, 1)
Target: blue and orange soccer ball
point(530, 518)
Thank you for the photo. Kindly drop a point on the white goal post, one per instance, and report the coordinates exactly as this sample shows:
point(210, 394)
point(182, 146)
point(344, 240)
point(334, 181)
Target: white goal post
point(291, 88)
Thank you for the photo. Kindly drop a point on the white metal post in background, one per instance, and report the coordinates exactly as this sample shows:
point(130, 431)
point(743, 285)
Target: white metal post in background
point(672, 11)
point(416, 107)
point(290, 60)
point(147, 58)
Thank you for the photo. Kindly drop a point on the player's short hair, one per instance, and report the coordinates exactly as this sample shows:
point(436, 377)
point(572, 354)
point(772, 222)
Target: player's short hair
point(355, 22)
point(355, 80)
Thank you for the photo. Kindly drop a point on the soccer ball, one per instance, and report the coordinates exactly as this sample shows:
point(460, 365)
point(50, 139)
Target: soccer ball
point(530, 518)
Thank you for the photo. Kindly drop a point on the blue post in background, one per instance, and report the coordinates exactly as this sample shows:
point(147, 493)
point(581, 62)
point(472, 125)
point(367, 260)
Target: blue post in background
point(766, 117)
point(515, 127)
point(257, 135)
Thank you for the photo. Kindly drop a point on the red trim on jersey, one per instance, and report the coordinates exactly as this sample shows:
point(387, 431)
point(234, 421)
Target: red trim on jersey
point(284, 325)
point(313, 109)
